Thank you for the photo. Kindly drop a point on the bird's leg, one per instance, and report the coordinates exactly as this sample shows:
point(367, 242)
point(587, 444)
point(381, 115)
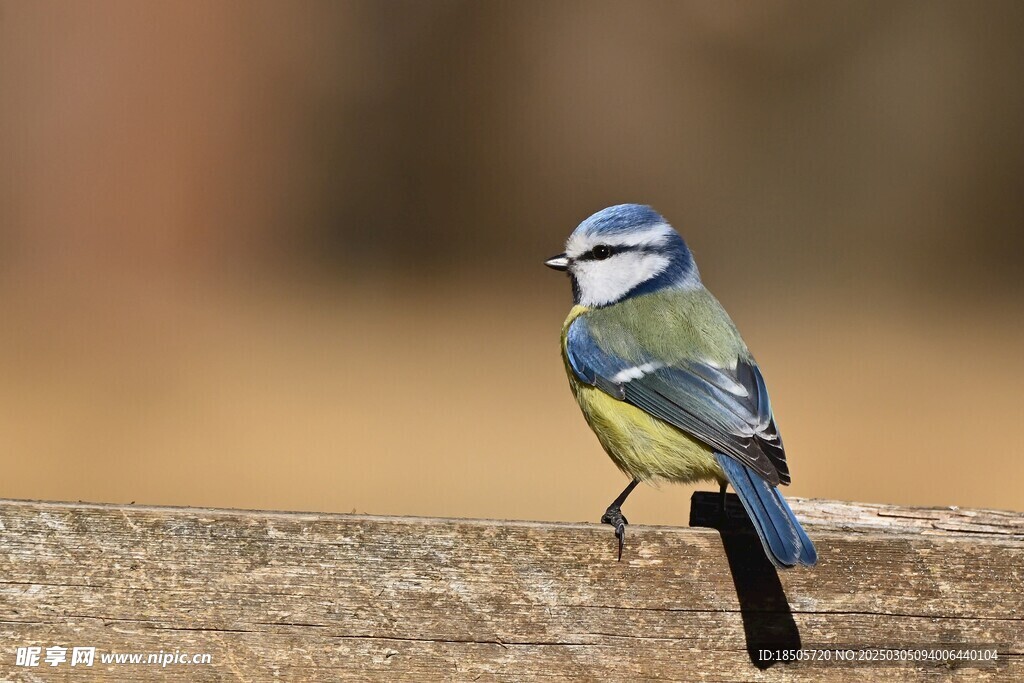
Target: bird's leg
point(722, 500)
point(613, 515)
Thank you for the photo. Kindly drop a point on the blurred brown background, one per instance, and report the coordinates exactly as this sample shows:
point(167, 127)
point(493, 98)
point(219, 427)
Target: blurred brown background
point(289, 255)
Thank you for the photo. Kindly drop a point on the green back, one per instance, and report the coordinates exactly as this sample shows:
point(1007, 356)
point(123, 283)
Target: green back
point(672, 325)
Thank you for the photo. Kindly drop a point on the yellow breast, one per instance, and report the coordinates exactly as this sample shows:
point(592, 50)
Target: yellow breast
point(642, 446)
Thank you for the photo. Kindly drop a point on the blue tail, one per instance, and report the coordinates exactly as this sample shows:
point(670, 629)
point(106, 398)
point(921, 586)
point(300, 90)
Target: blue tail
point(784, 540)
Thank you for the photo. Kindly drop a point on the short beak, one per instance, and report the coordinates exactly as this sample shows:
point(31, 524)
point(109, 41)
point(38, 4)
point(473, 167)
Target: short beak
point(560, 262)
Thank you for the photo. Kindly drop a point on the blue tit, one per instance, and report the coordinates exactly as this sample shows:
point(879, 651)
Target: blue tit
point(664, 378)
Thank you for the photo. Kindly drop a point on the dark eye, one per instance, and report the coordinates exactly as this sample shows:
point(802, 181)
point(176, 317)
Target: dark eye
point(602, 251)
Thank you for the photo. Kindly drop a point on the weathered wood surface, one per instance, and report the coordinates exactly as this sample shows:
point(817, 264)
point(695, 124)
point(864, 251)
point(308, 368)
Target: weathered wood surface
point(876, 517)
point(316, 597)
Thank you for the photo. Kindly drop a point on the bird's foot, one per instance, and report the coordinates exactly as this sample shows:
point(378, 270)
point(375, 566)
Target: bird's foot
point(613, 516)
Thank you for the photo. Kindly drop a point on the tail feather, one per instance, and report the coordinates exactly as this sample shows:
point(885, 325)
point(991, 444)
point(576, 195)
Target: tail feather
point(784, 540)
point(808, 554)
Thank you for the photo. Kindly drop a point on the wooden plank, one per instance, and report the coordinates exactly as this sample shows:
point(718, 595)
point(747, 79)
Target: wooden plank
point(877, 517)
point(318, 597)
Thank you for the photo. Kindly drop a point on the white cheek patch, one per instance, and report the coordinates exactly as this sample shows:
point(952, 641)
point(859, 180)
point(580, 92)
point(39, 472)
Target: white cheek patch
point(629, 374)
point(603, 282)
point(653, 236)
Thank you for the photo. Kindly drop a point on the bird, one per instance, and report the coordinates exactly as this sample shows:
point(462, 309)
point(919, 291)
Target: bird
point(664, 378)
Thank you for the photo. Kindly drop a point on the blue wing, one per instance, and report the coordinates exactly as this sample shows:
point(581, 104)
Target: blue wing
point(728, 409)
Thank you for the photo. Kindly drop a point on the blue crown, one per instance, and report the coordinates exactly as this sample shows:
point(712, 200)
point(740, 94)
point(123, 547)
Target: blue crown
point(619, 219)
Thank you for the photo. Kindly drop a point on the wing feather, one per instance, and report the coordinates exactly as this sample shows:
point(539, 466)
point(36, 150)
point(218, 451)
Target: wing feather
point(726, 408)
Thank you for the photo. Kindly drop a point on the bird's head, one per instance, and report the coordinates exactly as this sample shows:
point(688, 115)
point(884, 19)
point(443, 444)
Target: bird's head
point(624, 251)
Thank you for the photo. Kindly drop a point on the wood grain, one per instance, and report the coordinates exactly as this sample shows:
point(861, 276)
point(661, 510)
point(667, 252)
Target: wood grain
point(277, 596)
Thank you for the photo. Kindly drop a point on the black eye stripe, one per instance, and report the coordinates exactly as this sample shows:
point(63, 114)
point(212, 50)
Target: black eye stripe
point(612, 250)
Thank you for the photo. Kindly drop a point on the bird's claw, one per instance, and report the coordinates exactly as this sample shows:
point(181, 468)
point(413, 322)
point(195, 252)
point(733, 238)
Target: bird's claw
point(615, 518)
